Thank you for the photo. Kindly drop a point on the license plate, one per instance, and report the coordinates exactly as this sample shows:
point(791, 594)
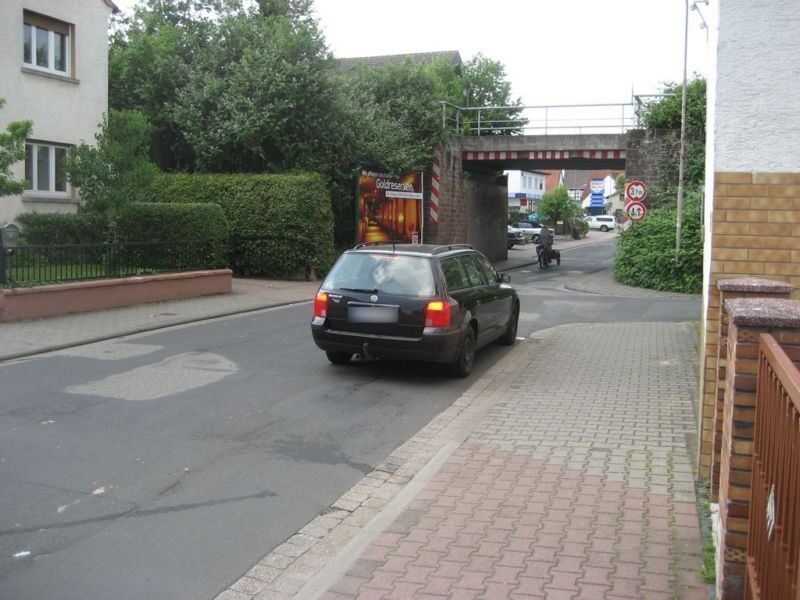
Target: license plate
point(372, 314)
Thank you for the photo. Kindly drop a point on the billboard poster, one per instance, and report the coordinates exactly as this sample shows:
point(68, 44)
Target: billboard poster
point(389, 208)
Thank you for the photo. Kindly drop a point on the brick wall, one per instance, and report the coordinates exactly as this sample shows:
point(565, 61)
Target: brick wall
point(472, 206)
point(755, 231)
point(748, 318)
point(651, 156)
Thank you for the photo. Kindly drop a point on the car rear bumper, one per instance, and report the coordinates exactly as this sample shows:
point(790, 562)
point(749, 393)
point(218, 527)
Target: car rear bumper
point(435, 345)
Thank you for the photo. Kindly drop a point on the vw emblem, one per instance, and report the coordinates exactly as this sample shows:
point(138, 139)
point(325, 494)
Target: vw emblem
point(373, 298)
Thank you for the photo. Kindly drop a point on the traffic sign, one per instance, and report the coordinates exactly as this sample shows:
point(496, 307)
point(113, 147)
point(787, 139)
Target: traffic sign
point(636, 211)
point(635, 191)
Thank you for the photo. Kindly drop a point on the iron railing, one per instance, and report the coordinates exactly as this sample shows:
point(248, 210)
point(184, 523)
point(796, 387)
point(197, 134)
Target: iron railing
point(547, 119)
point(774, 531)
point(538, 120)
point(55, 263)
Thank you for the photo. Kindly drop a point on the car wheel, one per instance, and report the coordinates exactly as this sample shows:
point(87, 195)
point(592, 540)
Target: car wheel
point(510, 335)
point(603, 228)
point(466, 357)
point(535, 238)
point(339, 358)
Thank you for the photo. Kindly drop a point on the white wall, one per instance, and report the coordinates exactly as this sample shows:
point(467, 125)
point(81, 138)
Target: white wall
point(526, 182)
point(62, 111)
point(757, 99)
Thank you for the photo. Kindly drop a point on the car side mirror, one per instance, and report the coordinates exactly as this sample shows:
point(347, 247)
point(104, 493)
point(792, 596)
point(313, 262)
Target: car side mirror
point(505, 278)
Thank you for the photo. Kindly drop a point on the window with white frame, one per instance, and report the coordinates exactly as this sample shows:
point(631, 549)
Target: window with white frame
point(46, 44)
point(45, 168)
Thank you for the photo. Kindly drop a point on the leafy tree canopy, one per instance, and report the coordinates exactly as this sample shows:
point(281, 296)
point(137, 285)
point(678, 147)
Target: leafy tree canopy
point(12, 150)
point(111, 173)
point(557, 205)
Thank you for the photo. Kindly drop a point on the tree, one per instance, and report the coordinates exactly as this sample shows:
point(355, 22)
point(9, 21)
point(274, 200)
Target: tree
point(111, 173)
point(487, 85)
point(12, 150)
point(557, 205)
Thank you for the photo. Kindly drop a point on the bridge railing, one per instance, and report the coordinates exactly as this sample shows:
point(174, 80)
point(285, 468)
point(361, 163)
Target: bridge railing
point(539, 120)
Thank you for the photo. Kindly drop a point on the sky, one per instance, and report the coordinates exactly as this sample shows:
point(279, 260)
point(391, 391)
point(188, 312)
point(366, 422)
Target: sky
point(554, 51)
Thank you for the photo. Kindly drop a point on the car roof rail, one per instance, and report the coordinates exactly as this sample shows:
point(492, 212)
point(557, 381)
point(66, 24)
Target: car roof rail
point(449, 247)
point(379, 243)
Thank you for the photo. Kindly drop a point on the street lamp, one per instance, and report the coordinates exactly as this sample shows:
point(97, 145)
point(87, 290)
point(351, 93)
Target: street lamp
point(679, 220)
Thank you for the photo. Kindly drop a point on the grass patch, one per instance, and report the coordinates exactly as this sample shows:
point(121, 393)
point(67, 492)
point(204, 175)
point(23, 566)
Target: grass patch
point(708, 570)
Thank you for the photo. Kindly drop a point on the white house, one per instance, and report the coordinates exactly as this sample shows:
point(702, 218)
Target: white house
point(54, 72)
point(525, 189)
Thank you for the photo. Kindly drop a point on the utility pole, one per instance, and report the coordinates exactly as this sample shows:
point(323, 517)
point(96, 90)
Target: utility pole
point(679, 219)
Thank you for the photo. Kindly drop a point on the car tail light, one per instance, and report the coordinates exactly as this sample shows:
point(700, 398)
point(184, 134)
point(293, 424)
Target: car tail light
point(437, 314)
point(321, 304)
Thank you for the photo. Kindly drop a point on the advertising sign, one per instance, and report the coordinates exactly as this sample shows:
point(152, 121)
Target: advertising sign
point(389, 208)
point(598, 188)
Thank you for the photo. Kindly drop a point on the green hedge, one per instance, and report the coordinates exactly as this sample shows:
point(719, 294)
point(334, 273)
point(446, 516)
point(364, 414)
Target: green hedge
point(291, 213)
point(64, 228)
point(145, 221)
point(203, 228)
point(646, 253)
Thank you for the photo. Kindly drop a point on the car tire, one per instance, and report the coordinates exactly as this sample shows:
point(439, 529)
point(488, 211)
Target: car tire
point(603, 228)
point(510, 335)
point(466, 356)
point(339, 358)
point(535, 238)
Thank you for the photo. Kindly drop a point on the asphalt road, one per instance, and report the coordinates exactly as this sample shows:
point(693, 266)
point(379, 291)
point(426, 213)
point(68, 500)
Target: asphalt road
point(164, 465)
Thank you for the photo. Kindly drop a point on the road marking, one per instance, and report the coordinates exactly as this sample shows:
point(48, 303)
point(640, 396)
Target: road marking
point(174, 375)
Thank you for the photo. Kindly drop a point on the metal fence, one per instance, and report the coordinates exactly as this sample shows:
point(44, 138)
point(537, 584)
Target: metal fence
point(547, 119)
point(55, 263)
point(774, 532)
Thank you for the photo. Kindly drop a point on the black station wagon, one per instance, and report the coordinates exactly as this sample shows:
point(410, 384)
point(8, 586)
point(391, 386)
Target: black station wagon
point(414, 301)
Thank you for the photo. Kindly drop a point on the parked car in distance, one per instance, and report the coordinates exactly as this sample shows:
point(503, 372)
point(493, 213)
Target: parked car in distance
point(421, 302)
point(601, 222)
point(515, 237)
point(530, 229)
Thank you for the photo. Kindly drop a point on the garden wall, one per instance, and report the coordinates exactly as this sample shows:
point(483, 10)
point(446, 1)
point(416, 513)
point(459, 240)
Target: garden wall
point(50, 300)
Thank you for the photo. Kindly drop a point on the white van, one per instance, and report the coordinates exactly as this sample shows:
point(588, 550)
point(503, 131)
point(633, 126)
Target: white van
point(602, 222)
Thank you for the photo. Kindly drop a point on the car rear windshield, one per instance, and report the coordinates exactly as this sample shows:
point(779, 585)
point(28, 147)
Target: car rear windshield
point(386, 273)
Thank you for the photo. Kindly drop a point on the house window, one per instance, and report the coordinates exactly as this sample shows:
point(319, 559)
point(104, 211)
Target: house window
point(46, 44)
point(45, 168)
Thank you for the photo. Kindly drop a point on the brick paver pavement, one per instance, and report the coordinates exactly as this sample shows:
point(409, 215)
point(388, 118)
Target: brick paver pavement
point(577, 484)
point(565, 471)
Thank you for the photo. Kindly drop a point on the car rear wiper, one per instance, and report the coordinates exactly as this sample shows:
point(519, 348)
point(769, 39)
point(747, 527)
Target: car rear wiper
point(362, 290)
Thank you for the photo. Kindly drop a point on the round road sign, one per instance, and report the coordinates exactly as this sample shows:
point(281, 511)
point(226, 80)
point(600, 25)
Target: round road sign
point(635, 191)
point(636, 211)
